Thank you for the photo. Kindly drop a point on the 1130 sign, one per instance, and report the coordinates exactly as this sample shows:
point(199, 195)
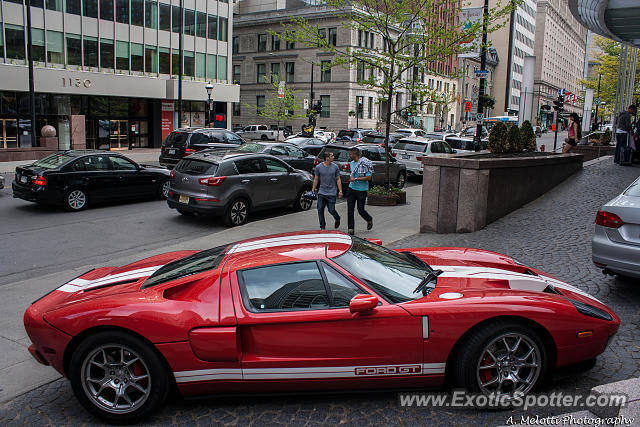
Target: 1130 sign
point(75, 82)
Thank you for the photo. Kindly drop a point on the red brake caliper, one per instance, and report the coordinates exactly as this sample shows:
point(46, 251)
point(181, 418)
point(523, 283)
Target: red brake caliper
point(485, 374)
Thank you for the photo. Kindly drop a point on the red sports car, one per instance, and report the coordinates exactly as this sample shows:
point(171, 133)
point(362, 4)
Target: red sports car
point(308, 311)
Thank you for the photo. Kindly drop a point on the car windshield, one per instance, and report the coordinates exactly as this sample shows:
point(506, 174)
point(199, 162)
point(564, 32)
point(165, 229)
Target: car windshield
point(298, 140)
point(393, 275)
point(196, 167)
point(349, 133)
point(634, 189)
point(176, 139)
point(374, 139)
point(196, 263)
point(410, 146)
point(53, 161)
point(251, 148)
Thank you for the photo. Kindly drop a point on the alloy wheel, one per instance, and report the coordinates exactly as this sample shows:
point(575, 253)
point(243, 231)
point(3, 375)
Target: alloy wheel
point(165, 189)
point(76, 199)
point(238, 212)
point(510, 363)
point(401, 181)
point(116, 379)
point(305, 204)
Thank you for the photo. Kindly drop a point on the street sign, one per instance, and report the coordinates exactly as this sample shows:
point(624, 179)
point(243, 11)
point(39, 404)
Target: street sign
point(305, 104)
point(467, 106)
point(481, 73)
point(474, 92)
point(596, 101)
point(561, 92)
point(281, 89)
point(479, 117)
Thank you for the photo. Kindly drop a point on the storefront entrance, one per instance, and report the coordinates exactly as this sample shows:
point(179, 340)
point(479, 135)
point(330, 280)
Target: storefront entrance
point(8, 133)
point(118, 134)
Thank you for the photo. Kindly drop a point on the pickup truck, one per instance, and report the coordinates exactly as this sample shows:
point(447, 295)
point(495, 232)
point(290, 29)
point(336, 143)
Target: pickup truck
point(261, 132)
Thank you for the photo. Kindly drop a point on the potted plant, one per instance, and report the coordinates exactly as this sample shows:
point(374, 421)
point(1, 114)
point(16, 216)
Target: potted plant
point(380, 196)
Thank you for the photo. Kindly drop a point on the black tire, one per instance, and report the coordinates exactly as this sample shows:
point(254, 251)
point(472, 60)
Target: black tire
point(185, 213)
point(163, 189)
point(302, 203)
point(75, 200)
point(104, 346)
point(471, 365)
point(264, 137)
point(237, 212)
point(401, 180)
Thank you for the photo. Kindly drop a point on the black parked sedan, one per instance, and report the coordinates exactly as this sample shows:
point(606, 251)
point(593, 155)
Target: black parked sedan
point(77, 178)
point(290, 153)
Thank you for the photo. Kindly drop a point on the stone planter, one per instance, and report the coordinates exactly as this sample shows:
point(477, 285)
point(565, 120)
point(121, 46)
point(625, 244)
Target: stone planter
point(381, 200)
point(401, 197)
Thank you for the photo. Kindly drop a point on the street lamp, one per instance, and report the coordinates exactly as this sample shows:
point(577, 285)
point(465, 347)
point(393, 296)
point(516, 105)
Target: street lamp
point(209, 88)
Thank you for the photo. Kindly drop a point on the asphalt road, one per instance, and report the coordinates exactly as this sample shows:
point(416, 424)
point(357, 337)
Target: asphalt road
point(38, 240)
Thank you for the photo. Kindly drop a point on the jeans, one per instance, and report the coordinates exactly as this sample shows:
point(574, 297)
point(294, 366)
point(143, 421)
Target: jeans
point(621, 142)
point(330, 203)
point(359, 197)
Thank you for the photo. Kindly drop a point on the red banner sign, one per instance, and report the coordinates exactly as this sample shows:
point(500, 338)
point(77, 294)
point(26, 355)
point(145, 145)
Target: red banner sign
point(166, 119)
point(467, 107)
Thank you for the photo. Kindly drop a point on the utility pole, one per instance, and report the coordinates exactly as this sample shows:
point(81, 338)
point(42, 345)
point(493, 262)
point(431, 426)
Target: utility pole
point(32, 97)
point(181, 60)
point(483, 65)
point(598, 103)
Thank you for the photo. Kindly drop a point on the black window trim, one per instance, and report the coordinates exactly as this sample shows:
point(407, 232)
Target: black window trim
point(246, 302)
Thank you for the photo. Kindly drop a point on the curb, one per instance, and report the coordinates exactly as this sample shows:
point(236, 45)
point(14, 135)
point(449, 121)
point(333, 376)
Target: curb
point(598, 160)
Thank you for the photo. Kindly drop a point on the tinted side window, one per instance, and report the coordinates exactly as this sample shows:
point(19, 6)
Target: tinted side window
point(294, 152)
point(216, 138)
point(244, 166)
point(371, 154)
point(262, 128)
point(296, 286)
point(342, 290)
point(278, 151)
point(436, 147)
point(447, 149)
point(122, 164)
point(198, 138)
point(97, 163)
point(275, 166)
point(78, 166)
point(232, 138)
point(314, 141)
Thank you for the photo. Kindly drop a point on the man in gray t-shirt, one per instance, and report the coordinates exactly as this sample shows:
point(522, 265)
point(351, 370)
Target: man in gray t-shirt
point(327, 181)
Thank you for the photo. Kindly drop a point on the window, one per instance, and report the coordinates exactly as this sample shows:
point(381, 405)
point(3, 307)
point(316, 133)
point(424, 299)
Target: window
point(212, 29)
point(90, 45)
point(137, 12)
point(290, 71)
point(275, 166)
point(122, 164)
point(245, 166)
point(360, 106)
point(235, 47)
point(333, 36)
point(236, 74)
point(326, 106)
point(151, 14)
point(106, 53)
point(90, 8)
point(189, 63)
point(325, 71)
point(106, 10)
point(175, 61)
point(201, 60)
point(55, 5)
point(73, 7)
point(97, 163)
point(137, 57)
point(151, 59)
point(175, 19)
point(342, 290)
point(275, 72)
point(54, 48)
point(212, 66)
point(164, 60)
point(122, 11)
point(222, 68)
point(262, 42)
point(275, 42)
point(235, 109)
point(284, 287)
point(261, 73)
point(38, 49)
point(232, 138)
point(165, 17)
point(196, 263)
point(222, 30)
point(259, 104)
point(201, 24)
point(122, 55)
point(370, 110)
point(291, 45)
point(14, 41)
point(360, 71)
point(189, 22)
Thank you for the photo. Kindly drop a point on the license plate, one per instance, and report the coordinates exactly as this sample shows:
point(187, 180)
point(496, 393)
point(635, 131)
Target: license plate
point(184, 199)
point(23, 179)
point(405, 156)
point(172, 151)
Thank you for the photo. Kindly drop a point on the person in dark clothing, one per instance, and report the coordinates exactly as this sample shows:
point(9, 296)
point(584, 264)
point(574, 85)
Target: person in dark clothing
point(623, 129)
point(361, 171)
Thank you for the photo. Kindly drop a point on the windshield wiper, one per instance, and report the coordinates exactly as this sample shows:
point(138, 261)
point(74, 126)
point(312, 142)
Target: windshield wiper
point(432, 276)
point(417, 260)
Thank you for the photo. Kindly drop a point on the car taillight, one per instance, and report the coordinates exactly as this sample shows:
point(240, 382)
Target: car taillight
point(418, 158)
point(212, 181)
point(316, 162)
point(608, 219)
point(39, 180)
point(172, 174)
point(358, 139)
point(392, 153)
point(346, 167)
point(189, 150)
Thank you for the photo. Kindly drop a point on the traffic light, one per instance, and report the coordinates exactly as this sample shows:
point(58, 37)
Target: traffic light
point(318, 107)
point(558, 104)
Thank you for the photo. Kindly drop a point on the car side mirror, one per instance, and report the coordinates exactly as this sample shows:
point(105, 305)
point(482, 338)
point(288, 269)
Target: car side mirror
point(363, 303)
point(454, 151)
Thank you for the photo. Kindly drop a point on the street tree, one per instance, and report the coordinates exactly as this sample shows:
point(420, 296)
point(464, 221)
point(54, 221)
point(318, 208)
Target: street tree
point(414, 38)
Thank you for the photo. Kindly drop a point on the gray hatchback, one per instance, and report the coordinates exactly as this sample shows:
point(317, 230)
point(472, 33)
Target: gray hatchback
point(232, 184)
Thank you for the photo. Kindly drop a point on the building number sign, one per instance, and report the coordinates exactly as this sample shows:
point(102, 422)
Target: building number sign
point(75, 82)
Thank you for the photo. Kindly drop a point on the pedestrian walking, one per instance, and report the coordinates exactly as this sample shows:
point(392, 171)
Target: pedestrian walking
point(623, 130)
point(327, 182)
point(574, 133)
point(361, 170)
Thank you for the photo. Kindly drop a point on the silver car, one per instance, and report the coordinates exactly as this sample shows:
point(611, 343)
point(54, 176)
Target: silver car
point(410, 151)
point(233, 184)
point(616, 241)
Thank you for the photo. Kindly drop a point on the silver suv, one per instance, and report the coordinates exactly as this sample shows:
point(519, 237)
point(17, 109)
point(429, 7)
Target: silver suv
point(232, 184)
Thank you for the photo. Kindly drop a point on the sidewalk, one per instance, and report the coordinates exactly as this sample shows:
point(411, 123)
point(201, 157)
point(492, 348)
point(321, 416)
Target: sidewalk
point(140, 155)
point(20, 373)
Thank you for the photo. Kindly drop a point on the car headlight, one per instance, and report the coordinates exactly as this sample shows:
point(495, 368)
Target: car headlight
point(591, 311)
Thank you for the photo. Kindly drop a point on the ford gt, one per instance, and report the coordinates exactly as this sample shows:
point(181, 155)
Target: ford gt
point(310, 311)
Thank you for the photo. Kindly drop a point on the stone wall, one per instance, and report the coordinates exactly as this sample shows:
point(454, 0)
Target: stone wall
point(591, 152)
point(464, 194)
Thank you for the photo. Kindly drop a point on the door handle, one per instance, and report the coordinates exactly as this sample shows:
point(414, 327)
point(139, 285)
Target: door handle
point(244, 181)
point(273, 179)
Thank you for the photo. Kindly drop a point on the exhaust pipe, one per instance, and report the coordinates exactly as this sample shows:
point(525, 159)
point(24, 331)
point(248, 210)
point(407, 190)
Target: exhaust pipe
point(608, 272)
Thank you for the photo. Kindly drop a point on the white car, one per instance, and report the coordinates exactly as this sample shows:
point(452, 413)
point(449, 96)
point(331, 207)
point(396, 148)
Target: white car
point(410, 152)
point(325, 137)
point(261, 132)
point(411, 132)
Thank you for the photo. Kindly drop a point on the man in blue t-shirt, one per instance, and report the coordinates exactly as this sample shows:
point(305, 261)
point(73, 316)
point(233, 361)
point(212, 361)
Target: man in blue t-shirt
point(361, 170)
point(327, 181)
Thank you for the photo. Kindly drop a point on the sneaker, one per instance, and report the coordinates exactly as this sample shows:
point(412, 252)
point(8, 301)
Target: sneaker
point(351, 231)
point(322, 228)
point(337, 224)
point(369, 225)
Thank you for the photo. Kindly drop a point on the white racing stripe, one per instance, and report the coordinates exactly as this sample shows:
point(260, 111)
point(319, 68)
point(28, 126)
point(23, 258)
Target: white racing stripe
point(290, 240)
point(83, 284)
point(318, 372)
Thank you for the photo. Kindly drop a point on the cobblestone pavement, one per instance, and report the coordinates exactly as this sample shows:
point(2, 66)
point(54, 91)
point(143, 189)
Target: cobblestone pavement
point(552, 233)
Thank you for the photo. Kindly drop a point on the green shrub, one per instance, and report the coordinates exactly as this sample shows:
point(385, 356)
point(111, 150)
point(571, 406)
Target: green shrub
point(381, 190)
point(513, 142)
point(606, 138)
point(497, 138)
point(528, 137)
